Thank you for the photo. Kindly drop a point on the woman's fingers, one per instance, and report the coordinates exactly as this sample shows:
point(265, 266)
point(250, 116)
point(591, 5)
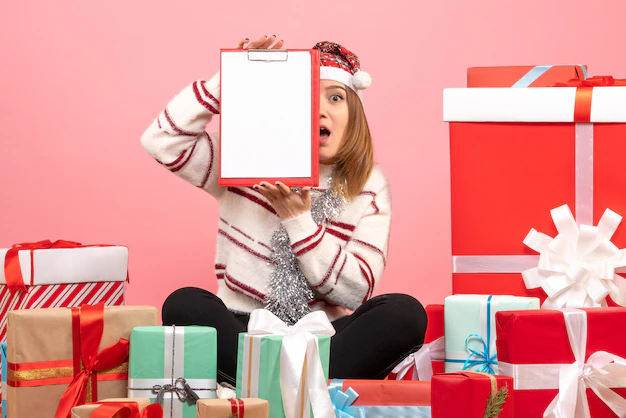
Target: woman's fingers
point(286, 191)
point(241, 43)
point(279, 44)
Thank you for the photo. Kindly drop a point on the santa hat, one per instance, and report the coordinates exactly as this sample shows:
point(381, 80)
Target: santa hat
point(339, 64)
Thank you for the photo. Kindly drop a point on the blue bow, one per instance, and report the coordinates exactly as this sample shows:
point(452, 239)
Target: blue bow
point(484, 360)
point(341, 400)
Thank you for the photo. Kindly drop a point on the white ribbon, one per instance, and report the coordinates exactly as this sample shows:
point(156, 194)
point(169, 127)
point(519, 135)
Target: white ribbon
point(600, 373)
point(422, 361)
point(302, 382)
point(577, 269)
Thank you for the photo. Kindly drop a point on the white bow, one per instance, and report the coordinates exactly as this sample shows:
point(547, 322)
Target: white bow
point(302, 382)
point(577, 268)
point(601, 372)
point(422, 360)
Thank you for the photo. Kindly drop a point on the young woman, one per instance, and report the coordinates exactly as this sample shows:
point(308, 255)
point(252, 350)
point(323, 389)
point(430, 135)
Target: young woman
point(292, 251)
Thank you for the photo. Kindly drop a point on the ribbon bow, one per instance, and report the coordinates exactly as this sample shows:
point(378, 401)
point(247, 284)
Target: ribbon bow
point(127, 410)
point(12, 268)
point(184, 393)
point(484, 358)
point(598, 81)
point(342, 400)
point(601, 372)
point(421, 361)
point(87, 329)
point(577, 268)
point(302, 381)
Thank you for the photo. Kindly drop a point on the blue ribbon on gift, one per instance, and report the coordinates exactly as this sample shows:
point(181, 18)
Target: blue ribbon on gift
point(484, 358)
point(537, 72)
point(341, 400)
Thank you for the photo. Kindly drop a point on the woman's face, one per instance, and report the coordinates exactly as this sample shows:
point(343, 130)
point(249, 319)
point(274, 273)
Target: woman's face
point(333, 118)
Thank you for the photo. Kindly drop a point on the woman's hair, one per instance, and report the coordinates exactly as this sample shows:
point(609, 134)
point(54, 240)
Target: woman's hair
point(355, 160)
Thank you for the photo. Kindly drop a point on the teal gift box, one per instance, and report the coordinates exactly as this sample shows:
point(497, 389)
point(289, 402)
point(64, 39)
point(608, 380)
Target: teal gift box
point(169, 363)
point(258, 368)
point(470, 329)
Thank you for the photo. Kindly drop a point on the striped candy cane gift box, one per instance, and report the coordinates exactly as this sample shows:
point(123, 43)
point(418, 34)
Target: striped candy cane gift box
point(59, 274)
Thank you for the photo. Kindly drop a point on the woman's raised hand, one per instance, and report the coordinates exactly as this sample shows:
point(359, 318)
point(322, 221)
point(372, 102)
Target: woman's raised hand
point(264, 42)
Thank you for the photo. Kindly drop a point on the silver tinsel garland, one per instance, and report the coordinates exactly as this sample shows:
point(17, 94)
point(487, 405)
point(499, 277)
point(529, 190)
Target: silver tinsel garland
point(289, 294)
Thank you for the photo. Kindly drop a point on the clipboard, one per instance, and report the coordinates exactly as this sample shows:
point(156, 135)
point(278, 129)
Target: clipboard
point(269, 117)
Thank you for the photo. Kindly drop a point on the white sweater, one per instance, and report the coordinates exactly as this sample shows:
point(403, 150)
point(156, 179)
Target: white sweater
point(343, 260)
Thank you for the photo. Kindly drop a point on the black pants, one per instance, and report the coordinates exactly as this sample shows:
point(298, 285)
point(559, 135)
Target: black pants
point(367, 345)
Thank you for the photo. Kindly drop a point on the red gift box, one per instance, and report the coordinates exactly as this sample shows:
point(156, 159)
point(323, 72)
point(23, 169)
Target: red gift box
point(429, 358)
point(515, 155)
point(524, 75)
point(465, 394)
point(535, 348)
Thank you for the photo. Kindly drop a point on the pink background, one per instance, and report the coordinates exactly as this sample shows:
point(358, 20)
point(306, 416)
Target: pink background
point(80, 81)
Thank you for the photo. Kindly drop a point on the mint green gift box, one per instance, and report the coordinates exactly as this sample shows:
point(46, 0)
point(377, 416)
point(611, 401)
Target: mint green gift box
point(258, 368)
point(173, 356)
point(470, 329)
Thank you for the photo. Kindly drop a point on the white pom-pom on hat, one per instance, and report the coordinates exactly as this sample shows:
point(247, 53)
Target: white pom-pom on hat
point(361, 80)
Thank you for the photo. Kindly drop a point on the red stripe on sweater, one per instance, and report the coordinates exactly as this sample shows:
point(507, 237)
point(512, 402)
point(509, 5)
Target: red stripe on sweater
point(220, 266)
point(203, 102)
point(208, 171)
point(209, 95)
point(173, 170)
point(311, 246)
point(243, 246)
point(253, 198)
point(266, 246)
point(158, 122)
point(243, 233)
point(177, 160)
point(330, 271)
point(307, 239)
point(337, 234)
point(176, 128)
point(329, 292)
point(223, 220)
point(246, 288)
point(341, 225)
point(341, 268)
point(373, 282)
point(368, 245)
point(376, 210)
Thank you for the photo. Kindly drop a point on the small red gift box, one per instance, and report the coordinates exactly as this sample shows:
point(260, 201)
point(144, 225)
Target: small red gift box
point(575, 348)
point(524, 75)
point(429, 358)
point(468, 395)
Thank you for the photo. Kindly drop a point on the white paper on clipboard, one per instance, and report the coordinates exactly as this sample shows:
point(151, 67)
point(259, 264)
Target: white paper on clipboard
point(265, 115)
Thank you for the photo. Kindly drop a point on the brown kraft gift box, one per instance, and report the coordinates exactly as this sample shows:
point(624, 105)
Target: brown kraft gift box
point(40, 355)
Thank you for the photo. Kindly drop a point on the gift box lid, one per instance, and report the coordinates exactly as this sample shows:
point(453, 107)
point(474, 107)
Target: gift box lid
point(71, 265)
point(541, 104)
point(524, 75)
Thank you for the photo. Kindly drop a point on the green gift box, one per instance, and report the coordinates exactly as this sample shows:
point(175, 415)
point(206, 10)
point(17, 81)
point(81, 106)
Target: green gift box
point(258, 368)
point(171, 363)
point(470, 329)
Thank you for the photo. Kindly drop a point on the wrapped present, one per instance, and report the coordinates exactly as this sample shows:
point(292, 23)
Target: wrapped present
point(524, 75)
point(233, 408)
point(470, 329)
point(286, 365)
point(380, 398)
point(174, 366)
point(517, 153)
point(568, 363)
point(59, 274)
point(119, 408)
point(473, 395)
point(61, 358)
point(429, 358)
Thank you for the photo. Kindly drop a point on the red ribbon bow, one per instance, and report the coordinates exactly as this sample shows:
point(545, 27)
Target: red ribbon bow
point(127, 410)
point(237, 407)
point(13, 270)
point(584, 93)
point(87, 329)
